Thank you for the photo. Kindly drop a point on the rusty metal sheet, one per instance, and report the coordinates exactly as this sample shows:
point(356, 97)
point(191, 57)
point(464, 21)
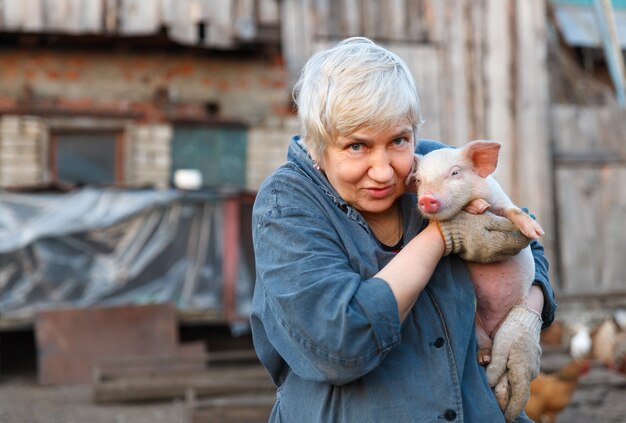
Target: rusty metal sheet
point(69, 341)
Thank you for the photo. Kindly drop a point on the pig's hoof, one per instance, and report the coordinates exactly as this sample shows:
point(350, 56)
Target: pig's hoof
point(477, 206)
point(484, 356)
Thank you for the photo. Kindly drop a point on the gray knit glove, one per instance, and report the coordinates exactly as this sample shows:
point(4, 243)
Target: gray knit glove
point(484, 238)
point(515, 359)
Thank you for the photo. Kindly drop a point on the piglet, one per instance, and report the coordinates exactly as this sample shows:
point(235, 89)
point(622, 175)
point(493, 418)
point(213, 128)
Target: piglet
point(449, 180)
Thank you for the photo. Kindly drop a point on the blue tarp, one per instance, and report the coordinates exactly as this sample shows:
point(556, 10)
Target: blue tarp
point(97, 247)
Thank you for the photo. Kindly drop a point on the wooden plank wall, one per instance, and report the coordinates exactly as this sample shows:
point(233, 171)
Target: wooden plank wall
point(590, 176)
point(481, 71)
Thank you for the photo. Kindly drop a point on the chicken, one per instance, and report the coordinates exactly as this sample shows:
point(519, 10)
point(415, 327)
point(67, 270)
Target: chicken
point(551, 393)
point(553, 335)
point(580, 344)
point(609, 341)
point(604, 339)
point(619, 315)
point(620, 352)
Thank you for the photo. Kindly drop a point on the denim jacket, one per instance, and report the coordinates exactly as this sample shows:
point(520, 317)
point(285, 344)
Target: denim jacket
point(328, 331)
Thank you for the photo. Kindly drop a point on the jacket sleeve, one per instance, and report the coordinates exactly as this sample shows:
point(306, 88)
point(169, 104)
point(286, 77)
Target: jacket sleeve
point(543, 281)
point(424, 146)
point(327, 322)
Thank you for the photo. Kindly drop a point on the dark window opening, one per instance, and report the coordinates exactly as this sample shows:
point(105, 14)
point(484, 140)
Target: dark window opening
point(84, 157)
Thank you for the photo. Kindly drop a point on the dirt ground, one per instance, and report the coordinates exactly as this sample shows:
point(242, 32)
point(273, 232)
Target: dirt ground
point(22, 400)
point(599, 398)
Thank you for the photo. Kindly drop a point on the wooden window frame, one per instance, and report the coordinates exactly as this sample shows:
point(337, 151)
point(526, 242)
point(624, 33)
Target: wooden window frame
point(118, 134)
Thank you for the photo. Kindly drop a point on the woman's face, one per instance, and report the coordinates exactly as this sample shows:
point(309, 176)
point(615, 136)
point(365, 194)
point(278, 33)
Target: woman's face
point(368, 167)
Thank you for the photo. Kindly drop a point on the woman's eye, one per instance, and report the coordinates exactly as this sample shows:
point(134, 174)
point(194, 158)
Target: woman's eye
point(400, 141)
point(356, 147)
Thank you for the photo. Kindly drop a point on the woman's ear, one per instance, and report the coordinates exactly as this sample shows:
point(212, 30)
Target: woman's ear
point(318, 160)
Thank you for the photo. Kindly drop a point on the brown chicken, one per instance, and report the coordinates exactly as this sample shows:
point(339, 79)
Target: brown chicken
point(551, 393)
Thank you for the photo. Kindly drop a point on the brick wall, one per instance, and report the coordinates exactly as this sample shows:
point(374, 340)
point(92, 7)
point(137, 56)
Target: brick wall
point(244, 90)
point(148, 156)
point(23, 151)
point(267, 148)
point(148, 89)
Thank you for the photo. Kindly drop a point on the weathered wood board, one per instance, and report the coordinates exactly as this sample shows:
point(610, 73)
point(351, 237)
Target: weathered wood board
point(590, 187)
point(70, 341)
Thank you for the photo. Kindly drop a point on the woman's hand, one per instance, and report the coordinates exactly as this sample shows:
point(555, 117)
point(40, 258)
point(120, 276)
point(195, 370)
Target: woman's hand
point(515, 359)
point(484, 238)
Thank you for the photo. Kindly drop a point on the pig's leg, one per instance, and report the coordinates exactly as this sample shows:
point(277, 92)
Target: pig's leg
point(484, 343)
point(477, 206)
point(498, 286)
point(526, 224)
point(503, 206)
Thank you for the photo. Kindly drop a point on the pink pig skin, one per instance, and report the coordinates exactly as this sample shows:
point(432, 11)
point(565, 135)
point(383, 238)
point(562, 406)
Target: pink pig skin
point(450, 180)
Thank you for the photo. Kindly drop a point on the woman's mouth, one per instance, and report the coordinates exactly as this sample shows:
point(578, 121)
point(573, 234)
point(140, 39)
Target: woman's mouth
point(379, 192)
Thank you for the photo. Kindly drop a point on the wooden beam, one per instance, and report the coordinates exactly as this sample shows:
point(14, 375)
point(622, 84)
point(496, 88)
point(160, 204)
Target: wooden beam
point(231, 245)
point(532, 175)
point(148, 378)
point(587, 159)
point(296, 35)
point(498, 71)
point(456, 70)
point(612, 50)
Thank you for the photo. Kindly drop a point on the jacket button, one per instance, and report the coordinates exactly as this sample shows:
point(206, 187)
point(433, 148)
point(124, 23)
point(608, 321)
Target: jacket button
point(439, 342)
point(450, 415)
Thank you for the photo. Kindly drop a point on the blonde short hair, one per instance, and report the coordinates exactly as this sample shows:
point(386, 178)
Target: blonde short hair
point(353, 85)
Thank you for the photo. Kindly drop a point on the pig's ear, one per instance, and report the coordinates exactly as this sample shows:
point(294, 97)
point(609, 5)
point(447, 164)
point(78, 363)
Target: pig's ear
point(483, 155)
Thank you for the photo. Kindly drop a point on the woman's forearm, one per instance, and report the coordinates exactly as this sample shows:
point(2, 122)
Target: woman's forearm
point(409, 271)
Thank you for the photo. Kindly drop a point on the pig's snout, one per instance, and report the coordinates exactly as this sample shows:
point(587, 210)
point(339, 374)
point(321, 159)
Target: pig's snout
point(428, 204)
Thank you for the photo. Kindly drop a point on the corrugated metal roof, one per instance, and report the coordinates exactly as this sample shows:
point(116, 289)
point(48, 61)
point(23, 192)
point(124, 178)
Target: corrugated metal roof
point(578, 23)
point(617, 4)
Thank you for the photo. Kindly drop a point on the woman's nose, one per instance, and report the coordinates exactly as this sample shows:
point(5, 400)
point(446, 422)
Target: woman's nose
point(380, 168)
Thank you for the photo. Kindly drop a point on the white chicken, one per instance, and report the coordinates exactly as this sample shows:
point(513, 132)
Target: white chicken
point(619, 315)
point(580, 343)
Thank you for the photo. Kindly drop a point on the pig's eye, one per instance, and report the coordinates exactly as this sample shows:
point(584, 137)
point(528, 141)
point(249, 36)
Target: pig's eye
point(455, 172)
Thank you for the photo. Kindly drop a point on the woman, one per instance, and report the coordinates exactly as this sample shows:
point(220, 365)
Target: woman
point(357, 313)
